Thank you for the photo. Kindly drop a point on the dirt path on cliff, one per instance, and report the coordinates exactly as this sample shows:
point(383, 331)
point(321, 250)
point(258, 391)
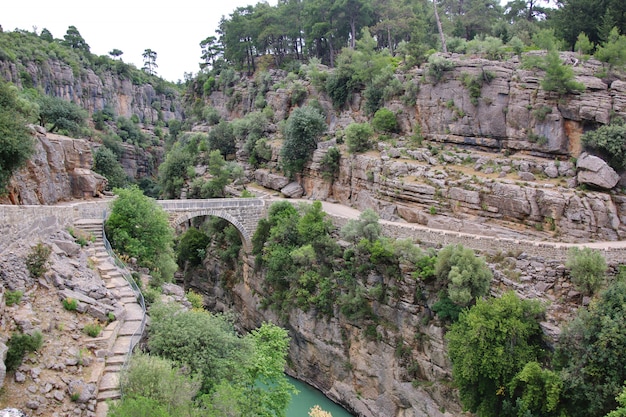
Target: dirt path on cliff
point(341, 210)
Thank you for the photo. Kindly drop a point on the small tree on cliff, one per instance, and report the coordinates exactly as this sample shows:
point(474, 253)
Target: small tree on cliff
point(16, 144)
point(303, 129)
point(149, 61)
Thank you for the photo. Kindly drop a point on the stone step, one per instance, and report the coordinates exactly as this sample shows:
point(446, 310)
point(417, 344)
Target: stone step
point(129, 328)
point(109, 395)
point(116, 360)
point(113, 368)
point(134, 312)
point(102, 409)
point(122, 345)
point(110, 381)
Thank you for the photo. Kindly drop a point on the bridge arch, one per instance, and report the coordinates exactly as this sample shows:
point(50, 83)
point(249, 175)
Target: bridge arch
point(243, 213)
point(246, 238)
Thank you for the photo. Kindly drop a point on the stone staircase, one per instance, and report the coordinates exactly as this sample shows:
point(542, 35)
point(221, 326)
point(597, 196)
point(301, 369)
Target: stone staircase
point(120, 336)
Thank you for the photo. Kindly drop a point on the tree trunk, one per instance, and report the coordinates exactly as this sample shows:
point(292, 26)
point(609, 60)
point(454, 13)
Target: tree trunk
point(443, 38)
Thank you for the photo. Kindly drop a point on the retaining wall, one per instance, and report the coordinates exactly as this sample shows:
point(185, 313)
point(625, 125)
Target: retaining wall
point(31, 223)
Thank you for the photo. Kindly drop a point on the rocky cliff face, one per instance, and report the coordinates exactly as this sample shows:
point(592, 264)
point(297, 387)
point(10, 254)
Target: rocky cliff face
point(504, 162)
point(93, 91)
point(59, 170)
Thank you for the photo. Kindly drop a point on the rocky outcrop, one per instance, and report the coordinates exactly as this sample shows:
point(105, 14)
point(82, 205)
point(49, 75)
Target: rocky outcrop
point(59, 170)
point(594, 171)
point(95, 91)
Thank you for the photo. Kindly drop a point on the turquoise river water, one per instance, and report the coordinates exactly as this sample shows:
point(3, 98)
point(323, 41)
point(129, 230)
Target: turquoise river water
point(307, 397)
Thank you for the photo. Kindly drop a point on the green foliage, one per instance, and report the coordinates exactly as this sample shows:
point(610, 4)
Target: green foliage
point(358, 136)
point(610, 141)
point(489, 345)
point(12, 297)
point(173, 171)
point(205, 343)
point(196, 299)
point(92, 329)
point(559, 77)
point(587, 269)
point(329, 166)
point(159, 385)
point(465, 275)
point(366, 227)
point(536, 392)
point(37, 260)
point(620, 411)
point(222, 138)
point(139, 227)
point(446, 309)
point(16, 143)
point(19, 345)
point(298, 93)
point(106, 163)
point(437, 67)
point(128, 130)
point(590, 353)
point(138, 407)
point(301, 133)
point(583, 44)
point(57, 114)
point(613, 51)
point(385, 121)
point(249, 368)
point(474, 86)
point(70, 304)
point(192, 247)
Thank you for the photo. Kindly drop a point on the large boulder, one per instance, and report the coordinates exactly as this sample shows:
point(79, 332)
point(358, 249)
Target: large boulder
point(595, 171)
point(269, 180)
point(292, 190)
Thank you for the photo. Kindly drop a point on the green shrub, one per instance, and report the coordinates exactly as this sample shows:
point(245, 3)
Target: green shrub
point(559, 77)
point(298, 93)
point(465, 275)
point(16, 143)
point(587, 269)
point(12, 297)
point(37, 260)
point(92, 329)
point(610, 141)
point(358, 137)
point(385, 121)
point(70, 304)
point(302, 131)
point(446, 309)
point(196, 300)
point(140, 228)
point(437, 66)
point(18, 345)
point(330, 163)
point(474, 86)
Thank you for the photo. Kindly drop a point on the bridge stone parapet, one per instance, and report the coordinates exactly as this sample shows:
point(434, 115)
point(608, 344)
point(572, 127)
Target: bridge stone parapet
point(243, 213)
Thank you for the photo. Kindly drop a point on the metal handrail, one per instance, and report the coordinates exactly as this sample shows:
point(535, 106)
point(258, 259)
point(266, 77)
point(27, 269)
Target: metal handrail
point(136, 336)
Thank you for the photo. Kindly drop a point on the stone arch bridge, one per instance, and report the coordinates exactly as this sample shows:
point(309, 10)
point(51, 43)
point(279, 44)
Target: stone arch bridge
point(243, 213)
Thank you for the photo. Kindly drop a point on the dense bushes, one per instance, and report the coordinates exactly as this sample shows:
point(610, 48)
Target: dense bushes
point(244, 373)
point(140, 228)
point(587, 269)
point(16, 144)
point(489, 345)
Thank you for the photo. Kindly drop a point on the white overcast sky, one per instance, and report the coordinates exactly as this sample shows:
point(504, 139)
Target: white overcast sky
point(172, 29)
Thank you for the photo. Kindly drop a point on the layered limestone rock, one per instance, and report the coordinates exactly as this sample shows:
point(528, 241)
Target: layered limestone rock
point(59, 170)
point(95, 91)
